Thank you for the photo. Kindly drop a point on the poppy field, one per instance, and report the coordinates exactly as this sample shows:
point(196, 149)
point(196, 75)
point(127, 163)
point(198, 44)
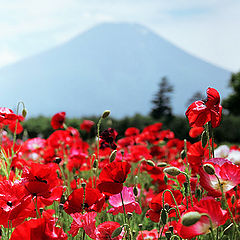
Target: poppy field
point(147, 185)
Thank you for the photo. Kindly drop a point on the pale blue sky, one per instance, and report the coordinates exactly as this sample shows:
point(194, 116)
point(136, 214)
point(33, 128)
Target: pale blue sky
point(206, 28)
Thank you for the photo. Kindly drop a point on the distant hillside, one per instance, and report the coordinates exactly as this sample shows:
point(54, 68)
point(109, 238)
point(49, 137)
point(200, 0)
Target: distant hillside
point(111, 66)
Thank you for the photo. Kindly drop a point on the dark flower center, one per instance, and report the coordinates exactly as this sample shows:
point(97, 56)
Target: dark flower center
point(9, 203)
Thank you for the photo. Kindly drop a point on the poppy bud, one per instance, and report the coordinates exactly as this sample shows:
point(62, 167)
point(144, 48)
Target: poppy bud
point(24, 112)
point(166, 206)
point(172, 171)
point(129, 215)
point(162, 164)
point(171, 229)
point(183, 154)
point(209, 169)
point(95, 163)
point(134, 232)
point(57, 160)
point(165, 179)
point(116, 232)
point(105, 114)
point(190, 218)
point(84, 185)
point(113, 155)
point(164, 216)
point(135, 191)
point(168, 234)
point(140, 226)
point(204, 138)
point(150, 163)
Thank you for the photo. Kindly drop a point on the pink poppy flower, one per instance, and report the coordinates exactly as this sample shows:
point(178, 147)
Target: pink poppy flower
point(213, 209)
point(86, 221)
point(129, 201)
point(228, 173)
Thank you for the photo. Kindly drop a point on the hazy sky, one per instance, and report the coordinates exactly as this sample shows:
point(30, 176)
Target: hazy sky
point(206, 28)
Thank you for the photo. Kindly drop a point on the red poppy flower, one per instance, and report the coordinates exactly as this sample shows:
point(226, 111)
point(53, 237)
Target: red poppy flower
point(132, 131)
point(105, 230)
point(213, 209)
point(57, 120)
point(228, 173)
point(13, 201)
point(86, 125)
point(195, 132)
point(93, 201)
point(107, 138)
point(39, 229)
point(112, 177)
point(7, 115)
point(200, 112)
point(42, 181)
point(156, 204)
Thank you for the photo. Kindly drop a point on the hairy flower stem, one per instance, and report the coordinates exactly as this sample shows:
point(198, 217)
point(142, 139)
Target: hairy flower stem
point(189, 187)
point(208, 139)
point(226, 204)
point(35, 203)
point(167, 190)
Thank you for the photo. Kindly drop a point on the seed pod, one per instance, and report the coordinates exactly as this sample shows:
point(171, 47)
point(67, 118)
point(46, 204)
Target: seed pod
point(140, 226)
point(183, 154)
point(95, 163)
point(162, 164)
point(135, 191)
point(168, 235)
point(190, 218)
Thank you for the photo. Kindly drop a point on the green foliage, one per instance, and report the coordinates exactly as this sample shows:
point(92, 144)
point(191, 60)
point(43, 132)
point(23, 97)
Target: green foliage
point(161, 102)
point(232, 102)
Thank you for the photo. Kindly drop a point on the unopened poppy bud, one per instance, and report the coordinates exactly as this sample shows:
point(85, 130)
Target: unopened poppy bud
point(134, 232)
point(58, 160)
point(168, 234)
point(41, 210)
point(140, 226)
point(172, 171)
point(185, 184)
point(164, 216)
point(190, 218)
point(233, 199)
point(116, 232)
point(129, 215)
point(198, 193)
point(171, 229)
point(24, 112)
point(227, 229)
point(209, 169)
point(113, 155)
point(204, 138)
point(183, 154)
point(60, 207)
point(105, 114)
point(95, 163)
point(150, 163)
point(165, 179)
point(166, 206)
point(135, 191)
point(84, 185)
point(162, 164)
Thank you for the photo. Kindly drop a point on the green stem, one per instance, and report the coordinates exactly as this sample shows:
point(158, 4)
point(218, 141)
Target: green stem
point(189, 187)
point(211, 225)
point(35, 203)
point(167, 190)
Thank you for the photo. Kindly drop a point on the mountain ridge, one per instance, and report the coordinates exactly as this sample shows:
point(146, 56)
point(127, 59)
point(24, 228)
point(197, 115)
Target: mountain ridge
point(104, 61)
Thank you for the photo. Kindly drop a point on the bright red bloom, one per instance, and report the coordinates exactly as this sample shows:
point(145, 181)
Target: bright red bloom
point(94, 201)
point(105, 230)
point(42, 181)
point(13, 201)
point(57, 120)
point(200, 112)
point(156, 204)
point(7, 115)
point(213, 209)
point(39, 229)
point(86, 125)
point(195, 132)
point(228, 173)
point(112, 177)
point(132, 131)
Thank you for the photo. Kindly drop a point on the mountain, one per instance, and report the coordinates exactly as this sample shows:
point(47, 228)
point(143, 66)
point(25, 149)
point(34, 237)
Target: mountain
point(114, 66)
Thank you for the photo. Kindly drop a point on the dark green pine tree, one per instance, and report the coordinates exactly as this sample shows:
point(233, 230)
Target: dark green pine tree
point(231, 103)
point(162, 100)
